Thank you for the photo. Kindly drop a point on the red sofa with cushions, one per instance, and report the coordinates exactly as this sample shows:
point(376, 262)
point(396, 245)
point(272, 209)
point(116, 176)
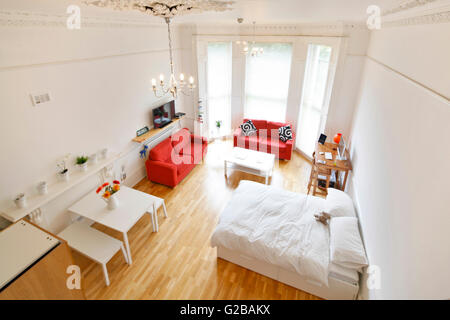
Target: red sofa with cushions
point(171, 161)
point(266, 140)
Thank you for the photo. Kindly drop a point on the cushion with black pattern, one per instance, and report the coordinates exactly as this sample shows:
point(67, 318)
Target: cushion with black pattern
point(248, 128)
point(285, 133)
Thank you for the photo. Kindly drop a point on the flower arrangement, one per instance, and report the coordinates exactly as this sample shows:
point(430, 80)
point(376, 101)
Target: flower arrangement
point(109, 189)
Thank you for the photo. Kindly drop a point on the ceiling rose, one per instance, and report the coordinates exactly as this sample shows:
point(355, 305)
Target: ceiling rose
point(164, 8)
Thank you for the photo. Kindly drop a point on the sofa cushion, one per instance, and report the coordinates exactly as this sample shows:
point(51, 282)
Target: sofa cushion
point(248, 128)
point(162, 151)
point(285, 133)
point(181, 139)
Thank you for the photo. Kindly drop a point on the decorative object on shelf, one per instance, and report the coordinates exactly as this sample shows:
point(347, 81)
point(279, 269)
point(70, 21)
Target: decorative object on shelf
point(109, 193)
point(104, 153)
point(81, 162)
point(337, 138)
point(200, 111)
point(142, 131)
point(63, 171)
point(42, 187)
point(166, 9)
point(143, 152)
point(21, 200)
point(93, 158)
point(179, 115)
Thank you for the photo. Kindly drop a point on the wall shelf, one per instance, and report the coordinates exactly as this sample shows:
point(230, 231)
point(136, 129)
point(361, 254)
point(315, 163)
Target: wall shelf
point(36, 201)
point(154, 132)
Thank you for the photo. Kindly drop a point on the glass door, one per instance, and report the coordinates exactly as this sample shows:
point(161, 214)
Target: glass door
point(315, 98)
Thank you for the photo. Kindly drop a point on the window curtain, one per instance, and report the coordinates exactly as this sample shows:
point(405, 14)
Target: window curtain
point(267, 82)
point(219, 88)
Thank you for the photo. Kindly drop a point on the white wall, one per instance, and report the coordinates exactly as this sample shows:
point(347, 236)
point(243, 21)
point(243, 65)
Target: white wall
point(401, 159)
point(99, 79)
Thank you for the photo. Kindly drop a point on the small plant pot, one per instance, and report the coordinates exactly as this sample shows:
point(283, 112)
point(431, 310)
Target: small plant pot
point(21, 201)
point(64, 175)
point(112, 202)
point(42, 188)
point(82, 167)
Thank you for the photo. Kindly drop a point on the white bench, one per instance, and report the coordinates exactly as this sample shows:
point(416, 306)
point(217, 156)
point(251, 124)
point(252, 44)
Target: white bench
point(93, 244)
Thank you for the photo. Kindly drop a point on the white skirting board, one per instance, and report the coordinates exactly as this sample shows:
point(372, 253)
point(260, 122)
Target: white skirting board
point(336, 290)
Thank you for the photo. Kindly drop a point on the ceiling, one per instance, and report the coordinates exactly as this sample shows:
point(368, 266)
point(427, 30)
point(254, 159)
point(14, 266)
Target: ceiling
point(261, 11)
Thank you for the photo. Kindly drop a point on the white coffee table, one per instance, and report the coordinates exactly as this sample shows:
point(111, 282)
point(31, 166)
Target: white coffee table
point(133, 204)
point(250, 161)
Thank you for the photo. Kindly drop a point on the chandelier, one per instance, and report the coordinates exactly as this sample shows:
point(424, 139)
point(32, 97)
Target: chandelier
point(167, 9)
point(251, 48)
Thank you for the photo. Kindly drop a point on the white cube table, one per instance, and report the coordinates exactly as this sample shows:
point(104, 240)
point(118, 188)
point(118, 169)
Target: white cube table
point(250, 161)
point(133, 204)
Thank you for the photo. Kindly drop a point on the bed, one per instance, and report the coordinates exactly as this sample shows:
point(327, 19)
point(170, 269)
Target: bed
point(273, 232)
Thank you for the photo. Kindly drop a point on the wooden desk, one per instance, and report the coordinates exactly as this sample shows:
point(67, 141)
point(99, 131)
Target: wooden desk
point(338, 165)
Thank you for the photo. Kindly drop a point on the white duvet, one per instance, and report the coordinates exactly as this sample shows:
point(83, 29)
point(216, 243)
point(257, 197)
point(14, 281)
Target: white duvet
point(276, 226)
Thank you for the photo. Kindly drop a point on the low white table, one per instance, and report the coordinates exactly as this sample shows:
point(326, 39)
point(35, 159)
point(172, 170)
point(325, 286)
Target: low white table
point(133, 204)
point(250, 161)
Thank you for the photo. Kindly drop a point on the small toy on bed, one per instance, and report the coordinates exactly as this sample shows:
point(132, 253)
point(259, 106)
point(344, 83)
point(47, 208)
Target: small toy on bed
point(322, 217)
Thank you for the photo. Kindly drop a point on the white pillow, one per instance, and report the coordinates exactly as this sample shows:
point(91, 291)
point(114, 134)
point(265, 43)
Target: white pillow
point(339, 204)
point(346, 248)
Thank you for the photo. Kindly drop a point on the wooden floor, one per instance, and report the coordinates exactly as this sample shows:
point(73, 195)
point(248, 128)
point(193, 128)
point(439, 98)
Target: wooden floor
point(178, 261)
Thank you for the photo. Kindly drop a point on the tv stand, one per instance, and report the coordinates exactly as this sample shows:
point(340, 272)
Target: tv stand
point(155, 132)
point(166, 124)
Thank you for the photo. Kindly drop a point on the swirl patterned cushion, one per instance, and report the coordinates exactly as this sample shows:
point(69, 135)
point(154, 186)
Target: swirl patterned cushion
point(248, 128)
point(285, 133)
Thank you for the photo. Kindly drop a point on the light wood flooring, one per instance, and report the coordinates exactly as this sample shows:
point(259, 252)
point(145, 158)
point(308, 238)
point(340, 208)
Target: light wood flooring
point(178, 261)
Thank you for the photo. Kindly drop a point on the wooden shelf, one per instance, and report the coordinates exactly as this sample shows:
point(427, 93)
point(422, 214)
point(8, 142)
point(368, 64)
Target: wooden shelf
point(154, 132)
point(36, 201)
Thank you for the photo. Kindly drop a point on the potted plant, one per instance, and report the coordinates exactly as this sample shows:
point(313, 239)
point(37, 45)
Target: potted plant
point(109, 193)
point(81, 162)
point(218, 125)
point(21, 201)
point(63, 171)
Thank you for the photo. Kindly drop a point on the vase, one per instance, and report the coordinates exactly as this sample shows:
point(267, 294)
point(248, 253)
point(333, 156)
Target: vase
point(113, 202)
point(337, 138)
point(21, 201)
point(42, 188)
point(64, 175)
point(83, 167)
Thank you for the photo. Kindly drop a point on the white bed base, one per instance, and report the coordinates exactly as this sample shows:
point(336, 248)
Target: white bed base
point(337, 289)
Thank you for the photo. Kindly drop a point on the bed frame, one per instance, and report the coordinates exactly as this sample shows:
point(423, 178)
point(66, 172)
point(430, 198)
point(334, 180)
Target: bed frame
point(337, 289)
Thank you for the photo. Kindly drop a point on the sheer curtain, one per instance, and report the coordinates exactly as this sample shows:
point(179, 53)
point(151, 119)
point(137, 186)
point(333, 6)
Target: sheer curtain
point(267, 82)
point(219, 88)
point(313, 108)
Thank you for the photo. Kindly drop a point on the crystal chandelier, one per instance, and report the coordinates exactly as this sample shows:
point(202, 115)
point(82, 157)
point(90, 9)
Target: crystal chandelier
point(251, 48)
point(173, 87)
point(167, 9)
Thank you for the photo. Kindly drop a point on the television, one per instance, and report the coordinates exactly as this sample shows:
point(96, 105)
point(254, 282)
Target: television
point(164, 114)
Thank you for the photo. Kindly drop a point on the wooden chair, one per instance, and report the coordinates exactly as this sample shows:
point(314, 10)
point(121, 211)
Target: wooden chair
point(317, 174)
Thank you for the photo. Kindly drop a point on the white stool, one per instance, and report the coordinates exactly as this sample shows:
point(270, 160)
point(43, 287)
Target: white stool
point(153, 212)
point(93, 244)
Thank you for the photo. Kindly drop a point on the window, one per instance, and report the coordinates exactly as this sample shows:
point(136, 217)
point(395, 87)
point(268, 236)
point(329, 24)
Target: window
point(219, 88)
point(315, 98)
point(267, 82)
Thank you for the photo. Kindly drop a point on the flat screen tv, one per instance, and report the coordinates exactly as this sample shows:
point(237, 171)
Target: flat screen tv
point(164, 114)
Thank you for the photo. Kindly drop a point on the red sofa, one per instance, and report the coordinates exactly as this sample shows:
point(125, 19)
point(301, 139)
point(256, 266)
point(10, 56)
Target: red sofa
point(266, 139)
point(171, 161)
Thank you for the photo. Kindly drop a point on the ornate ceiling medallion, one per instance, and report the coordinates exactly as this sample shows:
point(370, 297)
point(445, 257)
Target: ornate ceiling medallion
point(164, 8)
